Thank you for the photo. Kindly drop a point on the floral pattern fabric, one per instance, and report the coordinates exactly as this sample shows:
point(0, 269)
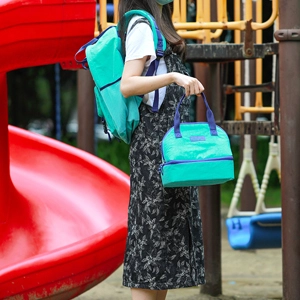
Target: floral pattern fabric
point(164, 246)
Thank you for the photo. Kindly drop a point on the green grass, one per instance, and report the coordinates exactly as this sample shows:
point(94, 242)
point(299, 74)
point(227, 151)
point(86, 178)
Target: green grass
point(272, 196)
point(273, 193)
point(114, 152)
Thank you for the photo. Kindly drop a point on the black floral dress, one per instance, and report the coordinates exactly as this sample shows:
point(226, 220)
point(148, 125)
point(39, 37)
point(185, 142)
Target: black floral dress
point(164, 245)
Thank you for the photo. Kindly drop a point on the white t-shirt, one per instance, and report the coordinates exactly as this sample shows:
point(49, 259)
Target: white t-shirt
point(139, 43)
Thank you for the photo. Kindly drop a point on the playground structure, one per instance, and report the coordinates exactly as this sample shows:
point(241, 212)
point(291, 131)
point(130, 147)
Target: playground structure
point(56, 40)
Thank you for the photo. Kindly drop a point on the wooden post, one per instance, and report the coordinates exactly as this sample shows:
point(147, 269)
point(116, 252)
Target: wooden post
point(289, 73)
point(86, 111)
point(210, 200)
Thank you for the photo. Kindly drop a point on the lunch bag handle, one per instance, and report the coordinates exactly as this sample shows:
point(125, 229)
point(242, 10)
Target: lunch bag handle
point(209, 116)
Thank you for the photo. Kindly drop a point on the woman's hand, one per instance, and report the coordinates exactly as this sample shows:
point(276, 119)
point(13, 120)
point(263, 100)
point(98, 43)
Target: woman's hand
point(191, 85)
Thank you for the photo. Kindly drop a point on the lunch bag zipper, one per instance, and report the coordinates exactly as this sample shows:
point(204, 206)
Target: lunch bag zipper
point(175, 162)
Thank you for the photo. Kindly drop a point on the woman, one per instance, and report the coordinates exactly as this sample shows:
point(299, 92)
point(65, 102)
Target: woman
point(164, 245)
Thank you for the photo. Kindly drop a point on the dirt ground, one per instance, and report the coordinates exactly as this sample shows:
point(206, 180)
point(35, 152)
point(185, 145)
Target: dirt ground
point(255, 275)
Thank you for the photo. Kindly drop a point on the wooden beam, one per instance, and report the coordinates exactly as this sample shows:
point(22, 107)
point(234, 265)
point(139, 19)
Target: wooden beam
point(226, 52)
point(250, 127)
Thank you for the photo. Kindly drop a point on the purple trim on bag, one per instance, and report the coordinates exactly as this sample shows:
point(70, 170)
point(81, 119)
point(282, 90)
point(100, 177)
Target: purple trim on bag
point(197, 138)
point(209, 117)
point(176, 162)
point(83, 62)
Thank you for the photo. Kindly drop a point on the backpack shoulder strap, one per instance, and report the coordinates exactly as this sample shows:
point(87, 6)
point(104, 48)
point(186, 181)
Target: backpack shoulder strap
point(159, 43)
point(140, 20)
point(159, 40)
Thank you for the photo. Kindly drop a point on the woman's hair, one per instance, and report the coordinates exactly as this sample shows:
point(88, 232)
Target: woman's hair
point(163, 20)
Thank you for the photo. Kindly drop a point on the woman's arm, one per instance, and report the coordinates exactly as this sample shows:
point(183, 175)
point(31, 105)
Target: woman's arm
point(133, 83)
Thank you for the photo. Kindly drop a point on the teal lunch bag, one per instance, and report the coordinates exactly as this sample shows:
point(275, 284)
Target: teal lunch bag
point(196, 153)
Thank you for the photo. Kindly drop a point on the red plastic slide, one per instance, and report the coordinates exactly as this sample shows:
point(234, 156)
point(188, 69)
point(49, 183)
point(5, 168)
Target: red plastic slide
point(63, 212)
point(67, 222)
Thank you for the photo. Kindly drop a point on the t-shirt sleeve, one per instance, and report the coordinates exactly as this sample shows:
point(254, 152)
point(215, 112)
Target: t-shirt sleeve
point(139, 41)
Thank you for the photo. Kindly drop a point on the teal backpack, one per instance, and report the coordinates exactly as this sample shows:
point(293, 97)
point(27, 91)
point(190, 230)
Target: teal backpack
point(105, 60)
